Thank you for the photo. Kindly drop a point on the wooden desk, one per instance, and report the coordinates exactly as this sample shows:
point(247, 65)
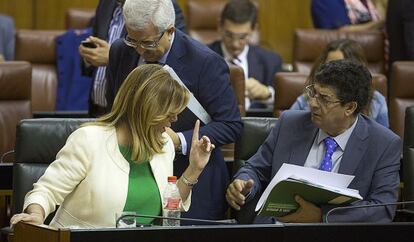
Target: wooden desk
point(400, 232)
point(6, 180)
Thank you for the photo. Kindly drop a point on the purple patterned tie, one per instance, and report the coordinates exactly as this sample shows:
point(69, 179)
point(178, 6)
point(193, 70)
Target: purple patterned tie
point(330, 146)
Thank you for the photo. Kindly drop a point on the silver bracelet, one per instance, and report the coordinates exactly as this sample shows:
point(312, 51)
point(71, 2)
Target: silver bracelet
point(188, 182)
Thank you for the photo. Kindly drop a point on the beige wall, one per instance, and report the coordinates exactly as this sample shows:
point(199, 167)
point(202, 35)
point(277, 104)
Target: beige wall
point(277, 18)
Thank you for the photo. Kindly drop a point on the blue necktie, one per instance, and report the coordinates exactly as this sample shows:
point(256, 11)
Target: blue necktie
point(330, 146)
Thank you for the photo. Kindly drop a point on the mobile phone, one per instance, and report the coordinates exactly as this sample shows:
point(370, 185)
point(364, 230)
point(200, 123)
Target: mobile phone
point(88, 44)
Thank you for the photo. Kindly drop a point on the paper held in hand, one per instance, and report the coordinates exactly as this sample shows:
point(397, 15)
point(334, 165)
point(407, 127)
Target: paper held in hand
point(316, 186)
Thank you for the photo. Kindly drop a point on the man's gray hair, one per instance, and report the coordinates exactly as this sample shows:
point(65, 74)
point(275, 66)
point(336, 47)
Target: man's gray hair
point(139, 13)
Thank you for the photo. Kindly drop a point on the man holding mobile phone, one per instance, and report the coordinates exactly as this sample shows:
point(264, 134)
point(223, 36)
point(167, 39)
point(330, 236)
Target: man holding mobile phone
point(107, 26)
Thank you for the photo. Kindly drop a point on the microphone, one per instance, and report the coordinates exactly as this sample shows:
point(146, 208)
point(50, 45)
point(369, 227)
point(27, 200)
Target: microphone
point(365, 206)
point(206, 221)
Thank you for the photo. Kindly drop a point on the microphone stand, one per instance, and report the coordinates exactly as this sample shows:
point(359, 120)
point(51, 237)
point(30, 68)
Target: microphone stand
point(181, 219)
point(365, 206)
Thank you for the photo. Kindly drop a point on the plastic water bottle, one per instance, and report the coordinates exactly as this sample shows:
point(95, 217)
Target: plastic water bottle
point(171, 203)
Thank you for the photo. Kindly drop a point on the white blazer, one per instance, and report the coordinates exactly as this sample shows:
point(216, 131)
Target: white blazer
point(89, 179)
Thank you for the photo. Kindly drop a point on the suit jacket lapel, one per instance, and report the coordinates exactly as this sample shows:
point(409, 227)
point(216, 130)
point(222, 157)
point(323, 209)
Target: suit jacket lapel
point(253, 64)
point(355, 148)
point(303, 143)
point(177, 51)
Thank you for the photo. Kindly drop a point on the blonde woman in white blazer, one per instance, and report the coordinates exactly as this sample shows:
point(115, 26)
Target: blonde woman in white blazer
point(89, 178)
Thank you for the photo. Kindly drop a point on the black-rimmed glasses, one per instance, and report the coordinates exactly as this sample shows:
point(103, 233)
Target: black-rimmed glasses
point(323, 100)
point(145, 44)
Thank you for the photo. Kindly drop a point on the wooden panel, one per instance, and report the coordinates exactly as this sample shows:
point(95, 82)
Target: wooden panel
point(42, 14)
point(47, 10)
point(20, 10)
point(27, 232)
point(277, 21)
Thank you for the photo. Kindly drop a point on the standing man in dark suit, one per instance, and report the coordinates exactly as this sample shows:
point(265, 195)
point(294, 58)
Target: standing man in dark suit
point(152, 38)
point(335, 137)
point(107, 26)
point(400, 31)
point(237, 22)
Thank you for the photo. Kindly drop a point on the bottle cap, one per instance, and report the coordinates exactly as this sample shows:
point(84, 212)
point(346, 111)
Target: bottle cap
point(172, 179)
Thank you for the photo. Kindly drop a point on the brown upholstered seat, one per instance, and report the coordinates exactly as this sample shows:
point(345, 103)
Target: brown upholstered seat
point(203, 17)
point(289, 86)
point(38, 48)
point(78, 18)
point(238, 85)
point(15, 78)
point(309, 43)
point(401, 94)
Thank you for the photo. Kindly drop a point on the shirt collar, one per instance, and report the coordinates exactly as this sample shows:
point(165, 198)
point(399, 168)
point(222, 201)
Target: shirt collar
point(163, 59)
point(226, 54)
point(341, 139)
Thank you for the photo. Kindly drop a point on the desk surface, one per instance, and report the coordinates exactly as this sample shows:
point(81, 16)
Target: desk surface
point(287, 233)
point(400, 232)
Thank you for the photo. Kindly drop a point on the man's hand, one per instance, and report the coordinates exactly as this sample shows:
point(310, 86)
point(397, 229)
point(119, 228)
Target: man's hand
point(98, 56)
point(306, 213)
point(174, 136)
point(237, 191)
point(256, 90)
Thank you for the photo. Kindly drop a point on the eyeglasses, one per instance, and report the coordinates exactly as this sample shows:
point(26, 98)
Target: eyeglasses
point(150, 44)
point(238, 37)
point(322, 100)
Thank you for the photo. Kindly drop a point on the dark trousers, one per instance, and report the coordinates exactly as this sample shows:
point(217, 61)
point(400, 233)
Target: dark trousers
point(400, 30)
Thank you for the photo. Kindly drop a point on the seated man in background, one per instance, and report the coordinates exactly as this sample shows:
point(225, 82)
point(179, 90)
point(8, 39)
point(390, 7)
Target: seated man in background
point(335, 132)
point(107, 26)
point(153, 38)
point(237, 22)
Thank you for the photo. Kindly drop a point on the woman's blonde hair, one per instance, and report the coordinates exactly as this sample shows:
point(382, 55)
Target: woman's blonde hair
point(147, 97)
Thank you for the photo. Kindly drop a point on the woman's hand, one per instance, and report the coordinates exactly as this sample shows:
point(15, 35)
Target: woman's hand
point(199, 155)
point(32, 218)
point(200, 150)
point(34, 214)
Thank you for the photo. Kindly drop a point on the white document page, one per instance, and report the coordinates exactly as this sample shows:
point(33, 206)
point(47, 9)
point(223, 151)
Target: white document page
point(193, 104)
point(330, 179)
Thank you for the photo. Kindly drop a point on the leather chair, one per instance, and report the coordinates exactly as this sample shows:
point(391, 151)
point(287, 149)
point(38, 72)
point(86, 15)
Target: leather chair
point(37, 143)
point(238, 84)
point(15, 79)
point(289, 86)
point(38, 48)
point(401, 94)
point(203, 17)
point(255, 131)
point(309, 43)
point(408, 158)
point(78, 18)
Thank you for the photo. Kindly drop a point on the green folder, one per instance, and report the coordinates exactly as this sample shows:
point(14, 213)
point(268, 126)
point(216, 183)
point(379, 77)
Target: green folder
point(281, 200)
